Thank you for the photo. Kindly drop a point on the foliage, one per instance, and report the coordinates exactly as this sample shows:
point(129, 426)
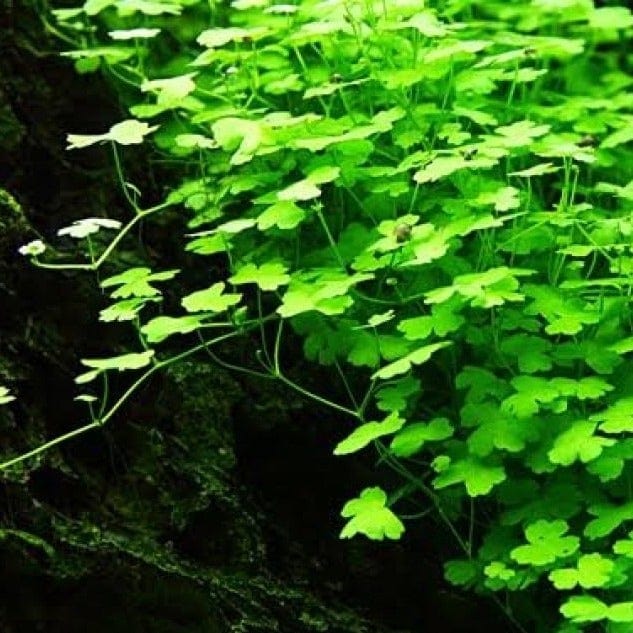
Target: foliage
point(438, 201)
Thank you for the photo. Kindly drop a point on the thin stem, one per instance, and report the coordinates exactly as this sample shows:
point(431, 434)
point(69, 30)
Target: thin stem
point(113, 244)
point(330, 238)
point(117, 405)
point(119, 172)
point(49, 444)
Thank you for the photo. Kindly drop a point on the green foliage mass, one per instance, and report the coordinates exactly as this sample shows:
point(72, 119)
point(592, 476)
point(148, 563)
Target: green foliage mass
point(438, 200)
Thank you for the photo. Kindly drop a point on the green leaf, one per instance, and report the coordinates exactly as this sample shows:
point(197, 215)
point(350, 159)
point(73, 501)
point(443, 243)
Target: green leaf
point(531, 352)
point(129, 132)
point(578, 442)
point(171, 89)
point(365, 350)
point(417, 328)
point(209, 244)
point(608, 518)
point(369, 515)
point(461, 573)
point(120, 363)
point(284, 214)
point(325, 293)
point(125, 310)
point(243, 137)
point(159, 328)
point(624, 547)
point(546, 543)
point(490, 288)
point(495, 430)
point(537, 170)
point(478, 477)
point(395, 396)
point(403, 365)
point(532, 392)
point(211, 299)
point(439, 168)
point(302, 190)
point(268, 276)
point(499, 571)
point(218, 37)
point(367, 433)
point(521, 133)
point(82, 228)
point(136, 282)
point(617, 418)
point(584, 608)
point(502, 199)
point(593, 570)
point(612, 18)
point(411, 439)
point(621, 612)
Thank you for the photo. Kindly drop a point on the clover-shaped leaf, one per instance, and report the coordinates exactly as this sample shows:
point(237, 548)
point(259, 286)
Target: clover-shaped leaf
point(325, 292)
point(120, 363)
point(394, 396)
point(521, 133)
point(478, 476)
point(498, 570)
point(624, 547)
point(172, 88)
point(404, 364)
point(532, 392)
point(416, 328)
point(546, 543)
point(537, 170)
point(608, 518)
point(411, 439)
point(592, 570)
point(135, 360)
point(212, 299)
point(502, 199)
point(370, 516)
point(136, 282)
point(32, 249)
point(82, 228)
point(617, 418)
point(612, 18)
point(461, 572)
point(126, 309)
point(495, 429)
point(284, 214)
point(268, 276)
point(578, 442)
point(217, 37)
point(129, 132)
point(584, 608)
point(531, 352)
point(161, 327)
point(367, 433)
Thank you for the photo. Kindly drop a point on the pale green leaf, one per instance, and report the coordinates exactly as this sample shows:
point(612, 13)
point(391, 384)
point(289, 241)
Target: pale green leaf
point(212, 299)
point(370, 516)
point(268, 276)
point(367, 433)
point(159, 328)
point(411, 439)
point(403, 365)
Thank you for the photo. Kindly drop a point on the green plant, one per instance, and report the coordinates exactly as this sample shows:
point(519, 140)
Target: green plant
point(438, 201)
